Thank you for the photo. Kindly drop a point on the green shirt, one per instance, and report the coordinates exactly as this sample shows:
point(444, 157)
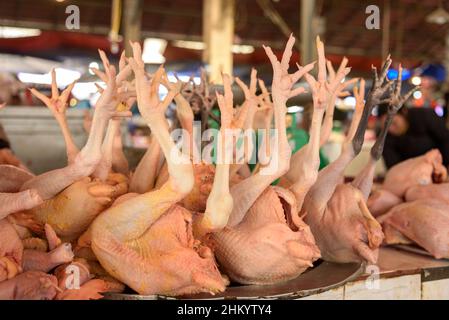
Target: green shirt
point(299, 138)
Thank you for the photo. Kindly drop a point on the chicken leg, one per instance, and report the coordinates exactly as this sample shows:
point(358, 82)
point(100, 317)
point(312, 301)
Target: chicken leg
point(144, 241)
point(336, 212)
point(14, 202)
point(264, 243)
point(305, 163)
point(364, 179)
point(51, 183)
point(57, 104)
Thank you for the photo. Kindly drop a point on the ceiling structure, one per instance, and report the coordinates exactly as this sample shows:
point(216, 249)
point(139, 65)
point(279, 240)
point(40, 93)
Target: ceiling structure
point(412, 40)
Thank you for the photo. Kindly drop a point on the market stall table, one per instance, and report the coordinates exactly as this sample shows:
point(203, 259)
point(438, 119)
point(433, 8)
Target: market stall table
point(397, 275)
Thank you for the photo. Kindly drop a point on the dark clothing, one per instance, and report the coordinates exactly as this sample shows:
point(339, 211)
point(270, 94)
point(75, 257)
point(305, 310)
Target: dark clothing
point(426, 131)
point(4, 143)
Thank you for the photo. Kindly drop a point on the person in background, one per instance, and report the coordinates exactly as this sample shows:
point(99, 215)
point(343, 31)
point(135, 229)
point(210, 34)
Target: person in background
point(413, 132)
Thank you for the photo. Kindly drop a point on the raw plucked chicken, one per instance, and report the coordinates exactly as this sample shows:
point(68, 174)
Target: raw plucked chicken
point(439, 191)
point(177, 226)
point(409, 180)
point(423, 221)
point(147, 233)
point(263, 242)
point(420, 215)
point(337, 213)
point(421, 170)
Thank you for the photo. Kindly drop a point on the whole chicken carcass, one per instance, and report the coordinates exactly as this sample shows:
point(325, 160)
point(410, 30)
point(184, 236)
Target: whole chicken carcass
point(72, 198)
point(146, 241)
point(423, 221)
point(337, 213)
point(265, 241)
point(421, 170)
point(264, 248)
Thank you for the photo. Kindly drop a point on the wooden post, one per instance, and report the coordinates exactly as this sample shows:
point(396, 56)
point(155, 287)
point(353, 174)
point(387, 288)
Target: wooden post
point(132, 20)
point(386, 30)
point(446, 64)
point(307, 31)
point(218, 36)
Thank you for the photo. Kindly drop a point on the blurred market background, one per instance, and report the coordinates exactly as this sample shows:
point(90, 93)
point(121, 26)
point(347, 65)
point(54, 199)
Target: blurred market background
point(219, 35)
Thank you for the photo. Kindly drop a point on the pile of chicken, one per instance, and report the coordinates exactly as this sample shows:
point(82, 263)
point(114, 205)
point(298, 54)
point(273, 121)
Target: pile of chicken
point(412, 204)
point(174, 227)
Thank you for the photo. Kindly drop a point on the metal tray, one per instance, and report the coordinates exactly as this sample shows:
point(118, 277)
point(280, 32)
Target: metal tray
point(324, 276)
point(412, 248)
point(416, 249)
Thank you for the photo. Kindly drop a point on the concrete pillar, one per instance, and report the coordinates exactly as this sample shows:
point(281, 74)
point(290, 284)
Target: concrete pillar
point(132, 22)
point(218, 36)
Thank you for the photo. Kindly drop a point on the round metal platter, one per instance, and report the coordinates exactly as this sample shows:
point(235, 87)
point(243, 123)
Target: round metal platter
point(412, 248)
point(324, 276)
point(415, 249)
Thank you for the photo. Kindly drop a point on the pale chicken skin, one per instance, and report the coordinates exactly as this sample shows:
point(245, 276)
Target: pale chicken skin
point(72, 211)
point(421, 170)
point(11, 251)
point(145, 241)
point(163, 257)
point(12, 178)
point(425, 222)
point(337, 213)
point(76, 198)
point(14, 202)
point(55, 191)
point(263, 248)
point(31, 285)
point(172, 227)
point(82, 286)
point(352, 236)
point(196, 200)
point(265, 241)
point(381, 200)
point(438, 191)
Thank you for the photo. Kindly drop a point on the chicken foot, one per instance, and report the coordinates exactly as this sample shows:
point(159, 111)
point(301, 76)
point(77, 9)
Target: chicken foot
point(364, 179)
point(246, 192)
point(51, 183)
point(57, 104)
point(305, 163)
point(121, 235)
